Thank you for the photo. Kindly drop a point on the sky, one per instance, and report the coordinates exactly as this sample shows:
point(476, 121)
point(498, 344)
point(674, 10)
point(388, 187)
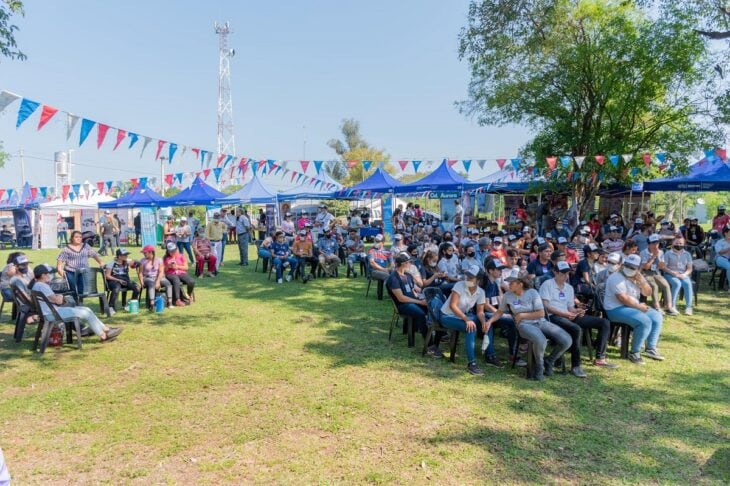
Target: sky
point(152, 68)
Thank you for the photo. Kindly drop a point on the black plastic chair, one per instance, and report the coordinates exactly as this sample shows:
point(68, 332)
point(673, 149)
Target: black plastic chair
point(91, 289)
point(2, 305)
point(122, 293)
point(26, 308)
point(45, 326)
point(407, 325)
point(435, 326)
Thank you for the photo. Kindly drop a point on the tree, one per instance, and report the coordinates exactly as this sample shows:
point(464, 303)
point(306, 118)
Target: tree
point(354, 147)
point(8, 45)
point(712, 17)
point(591, 77)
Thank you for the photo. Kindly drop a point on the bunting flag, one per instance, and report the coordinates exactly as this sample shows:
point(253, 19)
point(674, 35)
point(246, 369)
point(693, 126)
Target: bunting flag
point(135, 182)
point(100, 187)
point(208, 157)
point(169, 179)
point(614, 160)
point(481, 163)
point(72, 196)
point(71, 121)
point(101, 134)
point(351, 164)
point(160, 145)
point(565, 160)
point(109, 186)
point(171, 149)
point(27, 108)
point(228, 160)
point(220, 160)
point(416, 165)
point(146, 142)
point(179, 177)
point(293, 175)
point(662, 156)
point(516, 164)
point(86, 126)
point(121, 135)
point(143, 182)
point(304, 164)
point(10, 193)
point(217, 173)
point(6, 97)
point(403, 164)
point(647, 159)
point(600, 159)
point(627, 157)
point(203, 156)
point(467, 165)
point(579, 160)
point(196, 151)
point(43, 189)
point(552, 162)
point(133, 137)
point(33, 193)
point(46, 114)
point(501, 162)
point(451, 162)
point(206, 173)
point(76, 188)
point(318, 165)
point(722, 153)
point(2, 193)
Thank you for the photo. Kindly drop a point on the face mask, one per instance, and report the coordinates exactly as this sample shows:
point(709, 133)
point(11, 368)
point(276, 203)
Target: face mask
point(448, 238)
point(613, 268)
point(629, 272)
point(678, 247)
point(471, 285)
point(432, 263)
point(470, 254)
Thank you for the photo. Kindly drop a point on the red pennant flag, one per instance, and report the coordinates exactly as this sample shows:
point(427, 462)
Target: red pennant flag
point(312, 181)
point(403, 164)
point(304, 164)
point(100, 187)
point(451, 162)
point(135, 183)
point(220, 160)
point(196, 151)
point(647, 159)
point(351, 164)
point(600, 159)
point(121, 135)
point(101, 134)
point(33, 193)
point(551, 162)
point(501, 162)
point(64, 191)
point(722, 153)
point(197, 174)
point(2, 193)
point(169, 179)
point(160, 144)
point(293, 175)
point(206, 173)
point(46, 115)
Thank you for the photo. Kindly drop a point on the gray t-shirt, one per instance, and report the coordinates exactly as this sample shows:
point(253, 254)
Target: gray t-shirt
point(641, 240)
point(561, 299)
point(678, 262)
point(646, 256)
point(529, 301)
point(619, 284)
point(46, 290)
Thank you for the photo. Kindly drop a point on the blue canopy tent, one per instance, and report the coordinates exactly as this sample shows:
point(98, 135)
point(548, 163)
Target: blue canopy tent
point(504, 181)
point(379, 181)
point(198, 194)
point(444, 178)
point(705, 175)
point(22, 200)
point(136, 198)
point(252, 193)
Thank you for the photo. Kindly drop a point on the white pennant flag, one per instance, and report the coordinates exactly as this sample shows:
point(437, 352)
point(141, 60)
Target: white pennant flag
point(481, 163)
point(147, 141)
point(183, 149)
point(579, 160)
point(627, 157)
point(71, 121)
point(6, 97)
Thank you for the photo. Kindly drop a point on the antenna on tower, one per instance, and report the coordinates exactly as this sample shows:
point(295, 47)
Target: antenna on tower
point(226, 140)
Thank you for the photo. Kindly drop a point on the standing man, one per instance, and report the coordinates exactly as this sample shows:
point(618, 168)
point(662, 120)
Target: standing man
point(62, 230)
point(193, 222)
point(243, 230)
point(721, 219)
point(108, 239)
point(214, 231)
point(323, 220)
point(458, 213)
point(137, 226)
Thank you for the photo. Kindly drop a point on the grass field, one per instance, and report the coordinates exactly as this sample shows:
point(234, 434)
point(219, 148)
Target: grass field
point(259, 382)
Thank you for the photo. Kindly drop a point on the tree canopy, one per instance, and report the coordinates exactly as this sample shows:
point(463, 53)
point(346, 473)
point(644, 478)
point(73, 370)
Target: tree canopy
point(593, 77)
point(8, 45)
point(355, 147)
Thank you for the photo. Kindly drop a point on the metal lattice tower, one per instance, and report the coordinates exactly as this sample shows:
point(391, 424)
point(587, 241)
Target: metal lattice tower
point(226, 139)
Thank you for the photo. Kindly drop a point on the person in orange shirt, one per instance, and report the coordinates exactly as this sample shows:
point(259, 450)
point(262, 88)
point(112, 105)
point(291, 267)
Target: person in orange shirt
point(571, 256)
point(498, 250)
point(303, 250)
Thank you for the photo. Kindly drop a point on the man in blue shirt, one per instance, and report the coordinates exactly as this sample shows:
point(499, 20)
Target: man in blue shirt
point(282, 257)
point(328, 248)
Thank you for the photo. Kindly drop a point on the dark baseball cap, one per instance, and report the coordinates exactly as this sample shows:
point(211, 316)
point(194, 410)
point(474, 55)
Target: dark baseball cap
point(43, 269)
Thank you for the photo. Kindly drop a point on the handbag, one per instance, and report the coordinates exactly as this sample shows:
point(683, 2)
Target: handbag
point(59, 285)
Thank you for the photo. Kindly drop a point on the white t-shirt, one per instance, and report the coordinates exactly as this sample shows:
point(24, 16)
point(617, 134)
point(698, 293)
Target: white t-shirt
point(561, 299)
point(467, 300)
point(619, 284)
point(646, 256)
point(450, 266)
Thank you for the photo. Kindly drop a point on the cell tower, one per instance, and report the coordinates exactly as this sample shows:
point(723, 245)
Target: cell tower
point(226, 140)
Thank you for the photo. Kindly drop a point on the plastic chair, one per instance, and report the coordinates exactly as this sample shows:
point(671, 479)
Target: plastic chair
point(435, 299)
point(407, 325)
point(26, 308)
point(91, 289)
point(45, 326)
point(2, 305)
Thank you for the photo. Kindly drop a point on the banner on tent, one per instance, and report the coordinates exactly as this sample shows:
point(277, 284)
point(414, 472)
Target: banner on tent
point(386, 204)
point(466, 204)
point(443, 195)
point(149, 226)
point(447, 212)
point(88, 220)
point(270, 218)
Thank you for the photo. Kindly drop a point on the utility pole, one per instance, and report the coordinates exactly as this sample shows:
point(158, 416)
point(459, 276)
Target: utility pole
point(226, 139)
point(22, 167)
point(162, 175)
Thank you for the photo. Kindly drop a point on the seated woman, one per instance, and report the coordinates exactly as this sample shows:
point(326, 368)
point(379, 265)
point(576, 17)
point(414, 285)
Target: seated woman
point(150, 271)
point(17, 267)
point(527, 310)
point(265, 252)
point(176, 271)
point(116, 274)
point(431, 275)
point(456, 313)
point(203, 254)
point(43, 273)
point(304, 253)
point(449, 263)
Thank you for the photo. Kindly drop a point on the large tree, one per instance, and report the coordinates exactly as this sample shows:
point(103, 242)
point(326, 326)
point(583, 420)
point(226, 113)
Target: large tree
point(8, 45)
point(592, 77)
point(355, 147)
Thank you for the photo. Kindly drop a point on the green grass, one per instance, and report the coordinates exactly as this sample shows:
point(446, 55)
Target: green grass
point(264, 383)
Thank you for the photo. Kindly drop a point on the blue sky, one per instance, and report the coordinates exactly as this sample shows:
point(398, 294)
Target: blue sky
point(152, 67)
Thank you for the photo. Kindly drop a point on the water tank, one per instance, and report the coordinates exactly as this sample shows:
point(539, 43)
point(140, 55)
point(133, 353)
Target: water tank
point(61, 161)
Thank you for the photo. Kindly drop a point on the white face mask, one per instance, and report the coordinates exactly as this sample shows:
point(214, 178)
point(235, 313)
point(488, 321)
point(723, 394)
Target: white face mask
point(471, 284)
point(629, 272)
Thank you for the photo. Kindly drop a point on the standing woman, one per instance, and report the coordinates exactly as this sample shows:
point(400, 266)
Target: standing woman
point(74, 262)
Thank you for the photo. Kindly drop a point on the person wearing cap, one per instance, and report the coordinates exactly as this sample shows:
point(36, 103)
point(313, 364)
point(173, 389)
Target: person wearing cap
point(168, 230)
point(380, 262)
point(613, 242)
point(558, 297)
point(600, 264)
point(678, 272)
point(184, 236)
point(621, 303)
point(399, 245)
point(630, 248)
point(176, 271)
point(722, 253)
point(43, 274)
point(571, 256)
point(355, 250)
point(283, 257)
point(695, 236)
point(203, 254)
point(215, 230)
point(561, 229)
point(652, 266)
point(17, 268)
point(323, 220)
point(355, 220)
point(470, 258)
point(287, 226)
point(150, 272)
point(636, 228)
point(494, 294)
point(613, 265)
point(449, 262)
point(583, 277)
point(641, 238)
point(243, 235)
point(303, 251)
point(542, 265)
point(498, 251)
point(666, 231)
point(73, 262)
point(721, 219)
point(611, 221)
point(528, 312)
point(462, 310)
point(107, 230)
point(117, 278)
point(328, 248)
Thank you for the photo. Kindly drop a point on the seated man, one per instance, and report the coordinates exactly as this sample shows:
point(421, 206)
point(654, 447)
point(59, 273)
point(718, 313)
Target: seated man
point(493, 294)
point(265, 252)
point(355, 251)
point(327, 246)
point(43, 275)
point(203, 251)
point(117, 278)
point(652, 264)
point(303, 250)
point(379, 261)
point(282, 257)
point(399, 245)
point(621, 302)
point(678, 272)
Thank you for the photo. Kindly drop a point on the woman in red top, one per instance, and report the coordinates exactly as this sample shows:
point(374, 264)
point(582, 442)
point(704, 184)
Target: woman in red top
point(176, 271)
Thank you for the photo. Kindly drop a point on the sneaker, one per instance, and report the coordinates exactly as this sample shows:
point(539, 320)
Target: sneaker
point(688, 311)
point(603, 363)
point(474, 369)
point(578, 372)
point(212, 275)
point(179, 303)
point(636, 358)
point(435, 352)
point(539, 375)
point(673, 312)
point(288, 278)
point(112, 311)
point(113, 332)
point(654, 354)
point(279, 281)
point(493, 361)
point(548, 368)
point(520, 363)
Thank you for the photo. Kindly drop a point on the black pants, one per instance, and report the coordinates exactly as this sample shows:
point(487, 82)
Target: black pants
point(575, 327)
point(313, 262)
point(177, 281)
point(116, 287)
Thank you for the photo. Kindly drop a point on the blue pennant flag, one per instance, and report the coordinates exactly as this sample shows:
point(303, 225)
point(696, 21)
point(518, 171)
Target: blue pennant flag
point(228, 160)
point(366, 164)
point(143, 182)
point(202, 157)
point(710, 154)
point(86, 126)
point(217, 173)
point(318, 165)
point(72, 196)
point(614, 159)
point(179, 177)
point(516, 164)
point(566, 160)
point(133, 137)
point(76, 188)
point(416, 165)
point(44, 191)
point(270, 163)
point(108, 185)
point(10, 193)
point(467, 164)
point(635, 171)
point(172, 148)
point(662, 156)
point(299, 177)
point(27, 107)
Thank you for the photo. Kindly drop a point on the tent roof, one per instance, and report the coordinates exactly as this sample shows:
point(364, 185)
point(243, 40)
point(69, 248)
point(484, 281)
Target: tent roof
point(135, 198)
point(504, 181)
point(703, 176)
point(198, 194)
point(252, 193)
point(379, 181)
point(444, 178)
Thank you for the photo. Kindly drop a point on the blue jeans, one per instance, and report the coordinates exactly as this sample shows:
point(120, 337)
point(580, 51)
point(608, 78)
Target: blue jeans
point(75, 281)
point(508, 324)
point(185, 245)
point(417, 313)
point(224, 242)
point(724, 263)
point(453, 322)
point(265, 256)
point(7, 295)
point(680, 283)
point(279, 264)
point(647, 325)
